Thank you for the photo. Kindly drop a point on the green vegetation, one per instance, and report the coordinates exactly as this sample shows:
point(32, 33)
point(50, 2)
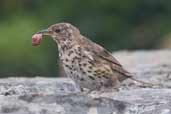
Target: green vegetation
point(115, 24)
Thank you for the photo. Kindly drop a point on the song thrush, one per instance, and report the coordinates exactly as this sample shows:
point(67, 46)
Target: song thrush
point(88, 64)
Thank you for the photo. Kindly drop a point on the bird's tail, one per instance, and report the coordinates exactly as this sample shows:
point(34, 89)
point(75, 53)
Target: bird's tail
point(130, 76)
point(143, 82)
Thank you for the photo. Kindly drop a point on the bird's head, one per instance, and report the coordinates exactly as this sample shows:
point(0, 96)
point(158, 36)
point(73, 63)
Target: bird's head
point(61, 32)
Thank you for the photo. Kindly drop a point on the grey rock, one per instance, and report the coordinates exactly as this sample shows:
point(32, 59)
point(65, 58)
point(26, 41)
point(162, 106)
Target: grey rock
point(61, 96)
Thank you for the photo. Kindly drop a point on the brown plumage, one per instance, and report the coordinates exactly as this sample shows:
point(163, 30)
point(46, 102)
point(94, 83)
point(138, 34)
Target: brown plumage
point(87, 63)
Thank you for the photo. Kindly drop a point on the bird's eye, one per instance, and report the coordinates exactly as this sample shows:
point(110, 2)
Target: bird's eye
point(57, 30)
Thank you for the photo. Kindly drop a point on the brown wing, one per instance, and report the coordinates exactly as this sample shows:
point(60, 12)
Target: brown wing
point(105, 55)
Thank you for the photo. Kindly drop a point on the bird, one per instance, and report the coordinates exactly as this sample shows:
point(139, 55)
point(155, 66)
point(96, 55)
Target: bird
point(87, 63)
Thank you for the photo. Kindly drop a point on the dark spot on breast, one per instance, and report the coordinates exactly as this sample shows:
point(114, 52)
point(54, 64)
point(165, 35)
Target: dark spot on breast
point(84, 64)
point(95, 74)
point(107, 70)
point(103, 72)
point(84, 72)
point(79, 54)
point(89, 71)
point(67, 66)
point(104, 76)
point(66, 60)
point(81, 79)
point(69, 54)
point(90, 67)
point(97, 71)
point(71, 72)
point(64, 47)
point(91, 77)
point(70, 68)
point(99, 76)
point(84, 56)
point(77, 58)
point(81, 68)
point(90, 62)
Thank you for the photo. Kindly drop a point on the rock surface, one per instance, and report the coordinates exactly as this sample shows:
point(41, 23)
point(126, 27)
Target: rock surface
point(60, 95)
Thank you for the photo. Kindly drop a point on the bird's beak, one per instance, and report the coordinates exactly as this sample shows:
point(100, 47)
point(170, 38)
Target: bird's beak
point(44, 32)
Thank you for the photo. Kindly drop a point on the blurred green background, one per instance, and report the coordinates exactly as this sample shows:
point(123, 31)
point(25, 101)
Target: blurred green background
point(115, 24)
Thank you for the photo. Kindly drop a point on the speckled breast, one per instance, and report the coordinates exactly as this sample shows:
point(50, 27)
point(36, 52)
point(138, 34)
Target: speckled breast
point(83, 70)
